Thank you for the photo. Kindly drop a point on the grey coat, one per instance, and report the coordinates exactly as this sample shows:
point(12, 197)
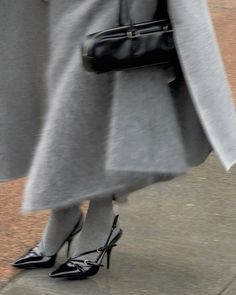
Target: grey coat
point(79, 135)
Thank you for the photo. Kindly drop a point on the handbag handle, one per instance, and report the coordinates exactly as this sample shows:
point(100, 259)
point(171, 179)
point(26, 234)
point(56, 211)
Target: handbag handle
point(161, 12)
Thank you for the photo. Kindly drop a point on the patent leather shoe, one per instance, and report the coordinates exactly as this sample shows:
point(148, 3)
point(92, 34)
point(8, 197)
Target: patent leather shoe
point(76, 268)
point(34, 258)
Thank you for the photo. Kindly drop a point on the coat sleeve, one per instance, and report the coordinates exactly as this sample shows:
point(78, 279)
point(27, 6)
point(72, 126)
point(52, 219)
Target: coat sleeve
point(205, 75)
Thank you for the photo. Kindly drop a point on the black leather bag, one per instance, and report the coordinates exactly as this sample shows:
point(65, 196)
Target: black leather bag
point(131, 46)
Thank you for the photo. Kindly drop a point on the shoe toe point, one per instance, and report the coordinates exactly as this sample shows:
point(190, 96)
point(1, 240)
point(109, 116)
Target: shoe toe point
point(51, 275)
point(17, 263)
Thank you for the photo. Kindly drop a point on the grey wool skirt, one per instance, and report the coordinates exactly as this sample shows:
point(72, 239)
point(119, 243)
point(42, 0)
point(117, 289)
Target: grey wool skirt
point(107, 134)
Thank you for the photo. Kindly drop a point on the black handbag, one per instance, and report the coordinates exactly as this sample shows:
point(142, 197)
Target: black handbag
point(131, 46)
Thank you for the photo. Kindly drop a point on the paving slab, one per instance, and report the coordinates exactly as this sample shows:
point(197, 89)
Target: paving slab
point(179, 239)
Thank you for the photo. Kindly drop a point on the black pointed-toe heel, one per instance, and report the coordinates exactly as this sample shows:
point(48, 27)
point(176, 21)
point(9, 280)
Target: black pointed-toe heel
point(35, 259)
point(75, 268)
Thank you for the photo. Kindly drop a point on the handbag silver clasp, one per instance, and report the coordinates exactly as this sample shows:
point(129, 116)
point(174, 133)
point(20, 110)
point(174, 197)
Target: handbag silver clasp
point(133, 34)
point(166, 28)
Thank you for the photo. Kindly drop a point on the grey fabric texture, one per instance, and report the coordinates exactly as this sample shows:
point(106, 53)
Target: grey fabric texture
point(144, 125)
point(104, 134)
point(205, 75)
point(23, 53)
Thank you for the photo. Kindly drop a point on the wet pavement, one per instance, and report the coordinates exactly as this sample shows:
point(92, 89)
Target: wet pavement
point(189, 247)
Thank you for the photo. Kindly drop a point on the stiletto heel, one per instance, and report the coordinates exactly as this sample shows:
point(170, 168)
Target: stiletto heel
point(69, 241)
point(75, 268)
point(32, 259)
point(109, 257)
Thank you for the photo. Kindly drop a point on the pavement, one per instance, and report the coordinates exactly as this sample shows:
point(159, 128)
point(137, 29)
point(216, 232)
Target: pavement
point(179, 236)
point(179, 239)
point(17, 232)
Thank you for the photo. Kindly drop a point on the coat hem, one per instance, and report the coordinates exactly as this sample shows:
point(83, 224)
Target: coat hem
point(118, 198)
point(119, 193)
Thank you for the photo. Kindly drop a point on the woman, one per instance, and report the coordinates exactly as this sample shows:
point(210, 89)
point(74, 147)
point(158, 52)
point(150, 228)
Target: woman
point(99, 137)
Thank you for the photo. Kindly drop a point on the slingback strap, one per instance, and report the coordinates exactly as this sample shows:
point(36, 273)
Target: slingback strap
point(115, 222)
point(89, 262)
point(101, 249)
point(76, 228)
point(106, 247)
point(76, 261)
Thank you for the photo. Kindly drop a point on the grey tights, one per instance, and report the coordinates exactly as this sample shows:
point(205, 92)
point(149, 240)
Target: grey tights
point(96, 228)
point(60, 224)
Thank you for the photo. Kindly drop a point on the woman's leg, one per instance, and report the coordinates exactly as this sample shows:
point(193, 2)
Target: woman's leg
point(60, 224)
point(99, 220)
point(100, 229)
